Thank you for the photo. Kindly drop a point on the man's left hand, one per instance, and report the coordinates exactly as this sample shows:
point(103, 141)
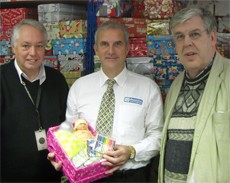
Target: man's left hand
point(116, 158)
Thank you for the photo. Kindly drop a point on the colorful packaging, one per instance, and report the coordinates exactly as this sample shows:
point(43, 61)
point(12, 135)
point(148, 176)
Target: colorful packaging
point(72, 76)
point(138, 9)
point(53, 30)
point(138, 47)
point(166, 68)
point(141, 65)
point(71, 62)
point(5, 48)
point(6, 32)
point(6, 59)
point(103, 144)
point(89, 173)
point(69, 46)
point(115, 8)
point(60, 12)
point(160, 9)
point(123, 20)
point(158, 28)
point(136, 27)
point(163, 45)
point(223, 44)
point(58, 16)
point(12, 16)
point(51, 61)
point(73, 28)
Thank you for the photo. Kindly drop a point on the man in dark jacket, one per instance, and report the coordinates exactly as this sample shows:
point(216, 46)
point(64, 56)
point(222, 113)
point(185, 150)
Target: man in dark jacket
point(33, 98)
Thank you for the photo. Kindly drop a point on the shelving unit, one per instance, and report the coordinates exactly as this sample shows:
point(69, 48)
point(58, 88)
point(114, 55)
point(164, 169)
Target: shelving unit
point(91, 29)
point(32, 3)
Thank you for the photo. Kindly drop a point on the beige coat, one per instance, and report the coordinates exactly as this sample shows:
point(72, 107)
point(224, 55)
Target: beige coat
point(210, 158)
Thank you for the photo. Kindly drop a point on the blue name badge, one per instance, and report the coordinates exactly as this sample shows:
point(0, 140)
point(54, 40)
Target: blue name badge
point(133, 100)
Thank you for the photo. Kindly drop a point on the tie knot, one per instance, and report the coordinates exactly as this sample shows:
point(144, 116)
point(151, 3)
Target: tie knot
point(111, 82)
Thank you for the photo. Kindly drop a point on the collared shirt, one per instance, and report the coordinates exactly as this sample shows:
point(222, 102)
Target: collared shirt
point(138, 117)
point(41, 76)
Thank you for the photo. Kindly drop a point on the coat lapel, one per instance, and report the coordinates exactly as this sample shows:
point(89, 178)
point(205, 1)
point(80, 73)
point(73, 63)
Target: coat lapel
point(207, 102)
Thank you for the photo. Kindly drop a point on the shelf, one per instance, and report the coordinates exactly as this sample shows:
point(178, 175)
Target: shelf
point(32, 3)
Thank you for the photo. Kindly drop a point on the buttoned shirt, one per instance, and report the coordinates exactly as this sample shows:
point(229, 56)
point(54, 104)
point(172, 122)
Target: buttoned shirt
point(41, 76)
point(138, 117)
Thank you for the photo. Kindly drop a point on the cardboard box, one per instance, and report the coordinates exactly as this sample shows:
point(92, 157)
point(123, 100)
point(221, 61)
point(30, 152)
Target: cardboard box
point(123, 20)
point(6, 59)
point(115, 8)
point(71, 62)
point(160, 9)
point(12, 16)
point(51, 61)
point(140, 65)
point(136, 27)
point(53, 30)
point(163, 45)
point(69, 46)
point(138, 47)
point(72, 76)
point(5, 48)
point(6, 32)
point(59, 16)
point(73, 28)
point(158, 27)
point(59, 7)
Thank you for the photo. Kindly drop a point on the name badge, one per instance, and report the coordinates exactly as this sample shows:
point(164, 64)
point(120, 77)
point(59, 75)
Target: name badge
point(40, 136)
point(133, 100)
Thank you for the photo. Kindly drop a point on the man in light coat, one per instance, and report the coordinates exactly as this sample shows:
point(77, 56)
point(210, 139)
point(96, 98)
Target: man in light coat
point(195, 144)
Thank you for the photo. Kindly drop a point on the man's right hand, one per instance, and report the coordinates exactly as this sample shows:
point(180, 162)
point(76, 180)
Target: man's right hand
point(56, 165)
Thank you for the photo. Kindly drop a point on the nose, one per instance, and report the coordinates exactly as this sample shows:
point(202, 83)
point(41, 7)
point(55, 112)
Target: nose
point(187, 40)
point(32, 50)
point(111, 49)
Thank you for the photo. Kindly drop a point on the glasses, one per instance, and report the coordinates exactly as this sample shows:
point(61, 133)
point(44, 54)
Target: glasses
point(196, 34)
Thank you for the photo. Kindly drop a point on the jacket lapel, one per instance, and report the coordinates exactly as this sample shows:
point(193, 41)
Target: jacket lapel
point(207, 102)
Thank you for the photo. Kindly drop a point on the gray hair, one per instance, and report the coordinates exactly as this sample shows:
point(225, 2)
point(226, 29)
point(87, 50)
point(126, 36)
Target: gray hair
point(112, 25)
point(192, 11)
point(29, 22)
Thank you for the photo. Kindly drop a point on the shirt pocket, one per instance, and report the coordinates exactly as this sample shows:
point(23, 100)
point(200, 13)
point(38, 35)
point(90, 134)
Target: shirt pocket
point(221, 121)
point(131, 125)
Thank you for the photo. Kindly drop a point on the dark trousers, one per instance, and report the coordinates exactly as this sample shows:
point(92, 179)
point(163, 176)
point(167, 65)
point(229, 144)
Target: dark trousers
point(132, 175)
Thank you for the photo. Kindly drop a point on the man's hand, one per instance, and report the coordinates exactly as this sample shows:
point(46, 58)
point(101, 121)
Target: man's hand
point(56, 165)
point(116, 158)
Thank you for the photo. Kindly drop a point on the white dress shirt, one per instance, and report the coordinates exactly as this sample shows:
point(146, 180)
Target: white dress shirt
point(138, 117)
point(41, 76)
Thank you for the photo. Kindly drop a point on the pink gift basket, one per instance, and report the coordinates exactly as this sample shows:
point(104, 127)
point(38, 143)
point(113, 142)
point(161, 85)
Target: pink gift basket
point(86, 174)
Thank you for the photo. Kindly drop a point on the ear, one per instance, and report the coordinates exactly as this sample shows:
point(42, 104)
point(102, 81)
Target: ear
point(13, 48)
point(95, 48)
point(213, 38)
point(128, 49)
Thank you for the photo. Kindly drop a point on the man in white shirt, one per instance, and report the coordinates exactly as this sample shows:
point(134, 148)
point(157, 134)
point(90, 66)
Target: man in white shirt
point(138, 117)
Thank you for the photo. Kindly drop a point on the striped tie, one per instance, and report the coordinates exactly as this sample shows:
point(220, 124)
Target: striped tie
point(106, 111)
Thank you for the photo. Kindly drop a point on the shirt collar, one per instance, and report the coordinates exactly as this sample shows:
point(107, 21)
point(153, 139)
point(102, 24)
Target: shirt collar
point(120, 78)
point(207, 68)
point(41, 76)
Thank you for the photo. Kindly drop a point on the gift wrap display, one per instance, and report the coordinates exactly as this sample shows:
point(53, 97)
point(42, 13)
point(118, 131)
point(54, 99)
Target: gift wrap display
point(80, 150)
point(59, 12)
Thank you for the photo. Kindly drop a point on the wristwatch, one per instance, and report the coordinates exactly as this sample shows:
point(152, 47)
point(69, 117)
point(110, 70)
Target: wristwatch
point(132, 152)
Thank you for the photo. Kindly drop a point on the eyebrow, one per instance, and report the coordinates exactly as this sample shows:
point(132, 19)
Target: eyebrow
point(176, 33)
point(116, 42)
point(26, 42)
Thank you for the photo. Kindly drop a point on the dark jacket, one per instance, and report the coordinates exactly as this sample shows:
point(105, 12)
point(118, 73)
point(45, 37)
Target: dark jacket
point(20, 159)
